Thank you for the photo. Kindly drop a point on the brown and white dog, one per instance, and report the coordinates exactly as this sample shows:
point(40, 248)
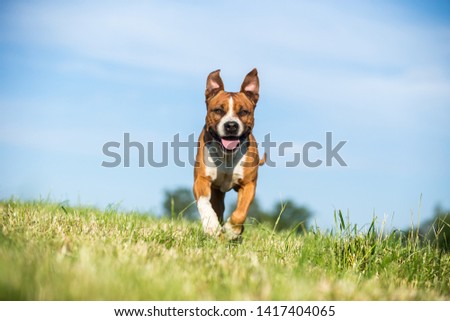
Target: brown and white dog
point(227, 156)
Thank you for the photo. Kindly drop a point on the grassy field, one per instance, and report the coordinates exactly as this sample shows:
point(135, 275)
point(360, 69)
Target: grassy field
point(52, 252)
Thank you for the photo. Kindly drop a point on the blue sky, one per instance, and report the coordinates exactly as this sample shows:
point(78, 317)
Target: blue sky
point(376, 74)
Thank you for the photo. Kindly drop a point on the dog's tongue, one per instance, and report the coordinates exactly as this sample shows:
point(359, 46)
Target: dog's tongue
point(230, 144)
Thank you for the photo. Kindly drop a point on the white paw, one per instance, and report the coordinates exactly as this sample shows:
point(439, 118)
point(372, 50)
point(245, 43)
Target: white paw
point(210, 222)
point(211, 226)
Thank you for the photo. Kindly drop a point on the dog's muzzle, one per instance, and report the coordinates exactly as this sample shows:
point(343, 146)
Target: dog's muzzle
point(230, 142)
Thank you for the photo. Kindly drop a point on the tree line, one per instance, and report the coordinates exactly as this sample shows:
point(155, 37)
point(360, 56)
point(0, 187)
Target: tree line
point(435, 230)
point(179, 203)
point(288, 215)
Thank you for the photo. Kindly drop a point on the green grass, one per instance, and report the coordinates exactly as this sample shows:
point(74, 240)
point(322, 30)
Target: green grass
point(53, 252)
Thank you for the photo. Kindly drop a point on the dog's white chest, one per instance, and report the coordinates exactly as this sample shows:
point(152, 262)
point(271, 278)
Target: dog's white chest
point(225, 173)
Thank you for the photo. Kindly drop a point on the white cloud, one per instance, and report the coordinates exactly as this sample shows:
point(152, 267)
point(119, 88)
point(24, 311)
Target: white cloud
point(154, 34)
point(303, 48)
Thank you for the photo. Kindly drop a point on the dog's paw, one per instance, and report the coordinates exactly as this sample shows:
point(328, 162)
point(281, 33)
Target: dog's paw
point(232, 232)
point(212, 228)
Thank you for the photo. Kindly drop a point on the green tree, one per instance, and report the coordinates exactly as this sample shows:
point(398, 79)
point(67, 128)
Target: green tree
point(258, 214)
point(291, 215)
point(437, 230)
point(179, 203)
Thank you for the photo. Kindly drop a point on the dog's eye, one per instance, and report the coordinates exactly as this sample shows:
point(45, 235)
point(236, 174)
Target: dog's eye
point(218, 111)
point(243, 112)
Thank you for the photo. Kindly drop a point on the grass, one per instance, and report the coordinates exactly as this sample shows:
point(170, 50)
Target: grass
point(53, 252)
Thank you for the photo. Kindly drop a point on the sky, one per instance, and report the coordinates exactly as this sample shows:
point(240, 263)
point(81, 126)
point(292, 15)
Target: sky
point(376, 74)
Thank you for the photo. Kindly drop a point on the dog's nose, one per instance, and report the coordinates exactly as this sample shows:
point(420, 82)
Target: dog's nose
point(231, 127)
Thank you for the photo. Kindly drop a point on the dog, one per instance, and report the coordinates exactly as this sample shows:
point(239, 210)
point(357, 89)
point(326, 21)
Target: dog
point(227, 156)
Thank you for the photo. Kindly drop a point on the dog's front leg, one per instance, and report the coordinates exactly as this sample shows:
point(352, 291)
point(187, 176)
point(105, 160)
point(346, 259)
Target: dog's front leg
point(202, 193)
point(235, 224)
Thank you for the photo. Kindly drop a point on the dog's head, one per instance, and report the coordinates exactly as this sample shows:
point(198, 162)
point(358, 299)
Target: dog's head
point(230, 115)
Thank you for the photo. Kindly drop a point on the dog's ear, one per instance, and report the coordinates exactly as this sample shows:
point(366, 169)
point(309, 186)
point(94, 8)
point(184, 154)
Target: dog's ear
point(250, 86)
point(214, 84)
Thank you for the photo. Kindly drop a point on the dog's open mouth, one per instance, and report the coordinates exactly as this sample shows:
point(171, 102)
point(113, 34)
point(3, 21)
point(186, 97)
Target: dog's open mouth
point(230, 143)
